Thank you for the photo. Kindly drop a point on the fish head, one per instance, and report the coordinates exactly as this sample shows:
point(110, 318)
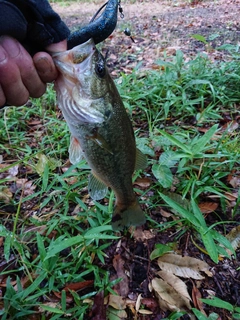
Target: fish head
point(82, 85)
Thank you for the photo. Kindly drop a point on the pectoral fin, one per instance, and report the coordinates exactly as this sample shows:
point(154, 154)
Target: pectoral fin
point(96, 188)
point(75, 151)
point(141, 160)
point(99, 140)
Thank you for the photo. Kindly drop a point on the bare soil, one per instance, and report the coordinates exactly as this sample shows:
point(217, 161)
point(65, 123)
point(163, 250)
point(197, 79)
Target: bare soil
point(161, 27)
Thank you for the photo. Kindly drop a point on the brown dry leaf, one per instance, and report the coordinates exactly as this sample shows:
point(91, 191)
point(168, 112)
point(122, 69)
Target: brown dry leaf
point(176, 284)
point(142, 235)
point(34, 122)
point(168, 297)
point(98, 311)
point(234, 237)
point(231, 196)
point(196, 297)
point(27, 186)
point(165, 213)
point(31, 231)
point(143, 182)
point(234, 181)
point(230, 126)
point(117, 302)
point(70, 180)
point(150, 303)
point(144, 311)
point(208, 207)
point(26, 281)
point(5, 195)
point(69, 297)
point(76, 286)
point(138, 302)
point(185, 267)
point(12, 172)
point(122, 287)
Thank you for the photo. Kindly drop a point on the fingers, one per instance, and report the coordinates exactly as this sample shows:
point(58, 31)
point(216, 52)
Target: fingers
point(18, 76)
point(44, 63)
point(45, 67)
point(21, 75)
point(2, 98)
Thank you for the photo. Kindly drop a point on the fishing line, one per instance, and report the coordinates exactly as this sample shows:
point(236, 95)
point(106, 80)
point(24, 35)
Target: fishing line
point(104, 5)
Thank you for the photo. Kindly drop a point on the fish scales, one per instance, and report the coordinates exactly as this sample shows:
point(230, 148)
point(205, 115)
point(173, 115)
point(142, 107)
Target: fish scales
point(101, 130)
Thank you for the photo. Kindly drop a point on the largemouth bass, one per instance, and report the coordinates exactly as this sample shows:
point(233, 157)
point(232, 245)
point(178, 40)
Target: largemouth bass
point(101, 130)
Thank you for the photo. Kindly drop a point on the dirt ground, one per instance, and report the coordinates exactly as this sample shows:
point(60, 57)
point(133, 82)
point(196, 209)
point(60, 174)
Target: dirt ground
point(161, 27)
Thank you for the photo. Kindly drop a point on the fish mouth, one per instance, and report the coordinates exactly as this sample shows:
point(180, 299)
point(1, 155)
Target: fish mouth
point(77, 59)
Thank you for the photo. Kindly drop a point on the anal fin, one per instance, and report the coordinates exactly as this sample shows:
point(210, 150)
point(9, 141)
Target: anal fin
point(96, 188)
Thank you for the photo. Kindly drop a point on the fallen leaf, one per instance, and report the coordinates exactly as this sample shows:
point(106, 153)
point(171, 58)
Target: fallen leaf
point(150, 303)
point(26, 281)
point(13, 171)
point(122, 287)
point(176, 284)
point(117, 302)
point(168, 297)
point(76, 286)
point(5, 195)
point(234, 182)
point(26, 186)
point(138, 302)
point(144, 311)
point(142, 235)
point(185, 267)
point(231, 196)
point(234, 237)
point(196, 297)
point(143, 182)
point(230, 126)
point(34, 122)
point(99, 310)
point(165, 214)
point(208, 207)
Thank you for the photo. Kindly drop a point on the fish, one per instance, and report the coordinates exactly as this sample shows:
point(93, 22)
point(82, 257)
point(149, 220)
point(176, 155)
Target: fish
point(101, 130)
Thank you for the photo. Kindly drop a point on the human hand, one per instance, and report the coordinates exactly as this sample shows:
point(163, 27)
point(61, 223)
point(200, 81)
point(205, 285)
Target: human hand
point(22, 76)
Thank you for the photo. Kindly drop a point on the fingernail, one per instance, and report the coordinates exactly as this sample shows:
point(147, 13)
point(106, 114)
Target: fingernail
point(10, 45)
point(2, 55)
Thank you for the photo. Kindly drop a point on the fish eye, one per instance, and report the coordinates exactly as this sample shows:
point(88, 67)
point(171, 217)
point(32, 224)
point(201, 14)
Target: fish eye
point(100, 69)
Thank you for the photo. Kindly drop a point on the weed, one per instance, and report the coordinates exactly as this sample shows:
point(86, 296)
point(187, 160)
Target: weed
point(55, 235)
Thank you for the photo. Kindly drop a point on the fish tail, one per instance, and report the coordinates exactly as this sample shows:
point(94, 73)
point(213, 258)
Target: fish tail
point(125, 216)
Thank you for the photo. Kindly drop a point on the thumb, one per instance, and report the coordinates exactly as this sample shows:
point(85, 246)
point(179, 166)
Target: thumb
point(44, 64)
point(57, 47)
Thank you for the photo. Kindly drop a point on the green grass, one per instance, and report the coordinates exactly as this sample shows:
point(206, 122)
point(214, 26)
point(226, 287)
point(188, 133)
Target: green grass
point(59, 236)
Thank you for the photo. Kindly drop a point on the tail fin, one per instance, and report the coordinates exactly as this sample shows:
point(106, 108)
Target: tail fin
point(128, 216)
